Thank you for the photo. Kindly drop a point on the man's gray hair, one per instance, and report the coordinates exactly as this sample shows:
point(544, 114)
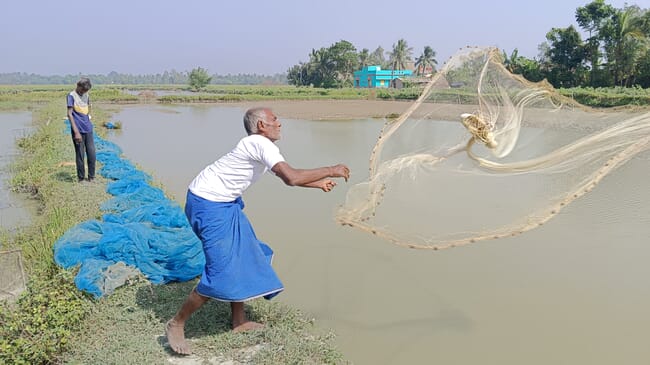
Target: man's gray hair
point(251, 118)
point(84, 82)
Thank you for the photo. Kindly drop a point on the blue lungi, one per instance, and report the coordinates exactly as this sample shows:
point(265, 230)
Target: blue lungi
point(237, 264)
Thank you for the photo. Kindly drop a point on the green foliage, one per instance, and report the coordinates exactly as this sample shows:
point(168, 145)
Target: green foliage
point(214, 93)
point(614, 53)
point(530, 69)
point(567, 55)
point(377, 57)
point(331, 67)
point(39, 329)
point(409, 93)
point(42, 94)
point(199, 78)
point(400, 55)
point(608, 97)
point(426, 61)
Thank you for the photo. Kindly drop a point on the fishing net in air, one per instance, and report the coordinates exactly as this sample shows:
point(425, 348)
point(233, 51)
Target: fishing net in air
point(484, 154)
point(141, 232)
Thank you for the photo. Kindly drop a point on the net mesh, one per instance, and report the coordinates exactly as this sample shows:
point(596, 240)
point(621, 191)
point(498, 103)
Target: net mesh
point(12, 275)
point(141, 232)
point(484, 154)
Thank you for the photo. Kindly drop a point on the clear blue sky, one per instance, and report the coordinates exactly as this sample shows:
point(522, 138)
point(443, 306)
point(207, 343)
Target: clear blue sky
point(265, 37)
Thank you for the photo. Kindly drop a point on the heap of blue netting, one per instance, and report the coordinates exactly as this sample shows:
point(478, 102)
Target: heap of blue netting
point(142, 231)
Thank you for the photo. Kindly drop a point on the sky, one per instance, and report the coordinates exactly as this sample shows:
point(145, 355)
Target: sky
point(263, 37)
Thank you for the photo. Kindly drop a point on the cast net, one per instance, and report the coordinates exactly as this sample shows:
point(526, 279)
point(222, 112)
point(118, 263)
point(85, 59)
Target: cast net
point(12, 275)
point(141, 232)
point(485, 154)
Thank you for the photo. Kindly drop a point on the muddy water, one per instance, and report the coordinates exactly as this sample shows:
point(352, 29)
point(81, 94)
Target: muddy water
point(574, 291)
point(15, 211)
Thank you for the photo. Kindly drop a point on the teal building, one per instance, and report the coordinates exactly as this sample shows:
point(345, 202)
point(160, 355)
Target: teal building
point(374, 76)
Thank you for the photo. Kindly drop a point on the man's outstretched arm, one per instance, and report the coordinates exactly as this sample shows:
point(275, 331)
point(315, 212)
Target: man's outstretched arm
point(308, 177)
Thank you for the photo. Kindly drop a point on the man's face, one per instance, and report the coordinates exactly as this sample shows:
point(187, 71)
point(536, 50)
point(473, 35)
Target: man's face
point(271, 127)
point(82, 90)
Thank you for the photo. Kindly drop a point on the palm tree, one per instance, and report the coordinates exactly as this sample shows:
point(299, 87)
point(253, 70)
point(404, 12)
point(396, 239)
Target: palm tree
point(377, 57)
point(623, 41)
point(364, 58)
point(400, 56)
point(427, 59)
point(510, 63)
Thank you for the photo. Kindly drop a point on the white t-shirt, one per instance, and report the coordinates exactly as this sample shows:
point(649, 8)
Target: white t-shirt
point(227, 178)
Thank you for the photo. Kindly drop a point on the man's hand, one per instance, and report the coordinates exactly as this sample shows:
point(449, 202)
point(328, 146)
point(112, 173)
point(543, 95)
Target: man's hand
point(77, 137)
point(340, 170)
point(326, 185)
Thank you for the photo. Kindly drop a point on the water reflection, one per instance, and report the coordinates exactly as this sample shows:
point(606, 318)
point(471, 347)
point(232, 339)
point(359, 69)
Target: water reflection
point(14, 210)
point(572, 291)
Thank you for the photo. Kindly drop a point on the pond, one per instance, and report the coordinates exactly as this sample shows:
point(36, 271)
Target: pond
point(574, 291)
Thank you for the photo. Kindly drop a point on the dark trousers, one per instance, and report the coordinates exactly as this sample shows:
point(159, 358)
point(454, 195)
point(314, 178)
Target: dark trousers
point(82, 149)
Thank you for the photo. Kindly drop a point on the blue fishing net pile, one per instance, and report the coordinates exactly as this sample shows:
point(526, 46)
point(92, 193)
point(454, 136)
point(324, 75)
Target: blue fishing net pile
point(142, 231)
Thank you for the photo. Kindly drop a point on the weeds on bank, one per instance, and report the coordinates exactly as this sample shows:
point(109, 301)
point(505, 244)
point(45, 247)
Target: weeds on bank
point(39, 328)
point(143, 309)
point(36, 329)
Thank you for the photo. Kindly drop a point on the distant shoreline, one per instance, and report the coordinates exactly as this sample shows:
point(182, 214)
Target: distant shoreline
point(354, 109)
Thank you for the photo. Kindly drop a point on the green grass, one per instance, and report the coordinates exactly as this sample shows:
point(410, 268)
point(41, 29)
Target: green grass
point(20, 95)
point(142, 309)
point(609, 97)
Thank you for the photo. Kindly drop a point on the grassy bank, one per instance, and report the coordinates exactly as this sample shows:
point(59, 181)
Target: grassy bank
point(25, 96)
point(53, 322)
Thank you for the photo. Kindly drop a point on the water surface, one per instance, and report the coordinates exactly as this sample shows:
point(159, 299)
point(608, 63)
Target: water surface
point(14, 209)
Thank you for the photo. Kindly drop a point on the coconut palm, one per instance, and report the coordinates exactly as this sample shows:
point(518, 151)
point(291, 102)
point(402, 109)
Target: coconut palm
point(426, 59)
point(377, 57)
point(623, 39)
point(364, 58)
point(400, 56)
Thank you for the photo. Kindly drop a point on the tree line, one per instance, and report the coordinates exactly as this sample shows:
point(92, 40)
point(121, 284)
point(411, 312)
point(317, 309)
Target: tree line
point(167, 77)
point(334, 66)
point(616, 52)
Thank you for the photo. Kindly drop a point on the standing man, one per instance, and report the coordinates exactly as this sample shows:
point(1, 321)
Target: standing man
point(81, 128)
point(238, 265)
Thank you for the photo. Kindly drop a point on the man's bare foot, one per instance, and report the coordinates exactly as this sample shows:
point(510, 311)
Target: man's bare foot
point(246, 326)
point(176, 338)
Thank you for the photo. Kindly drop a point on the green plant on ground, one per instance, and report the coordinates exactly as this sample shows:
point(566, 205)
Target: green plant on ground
point(37, 331)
